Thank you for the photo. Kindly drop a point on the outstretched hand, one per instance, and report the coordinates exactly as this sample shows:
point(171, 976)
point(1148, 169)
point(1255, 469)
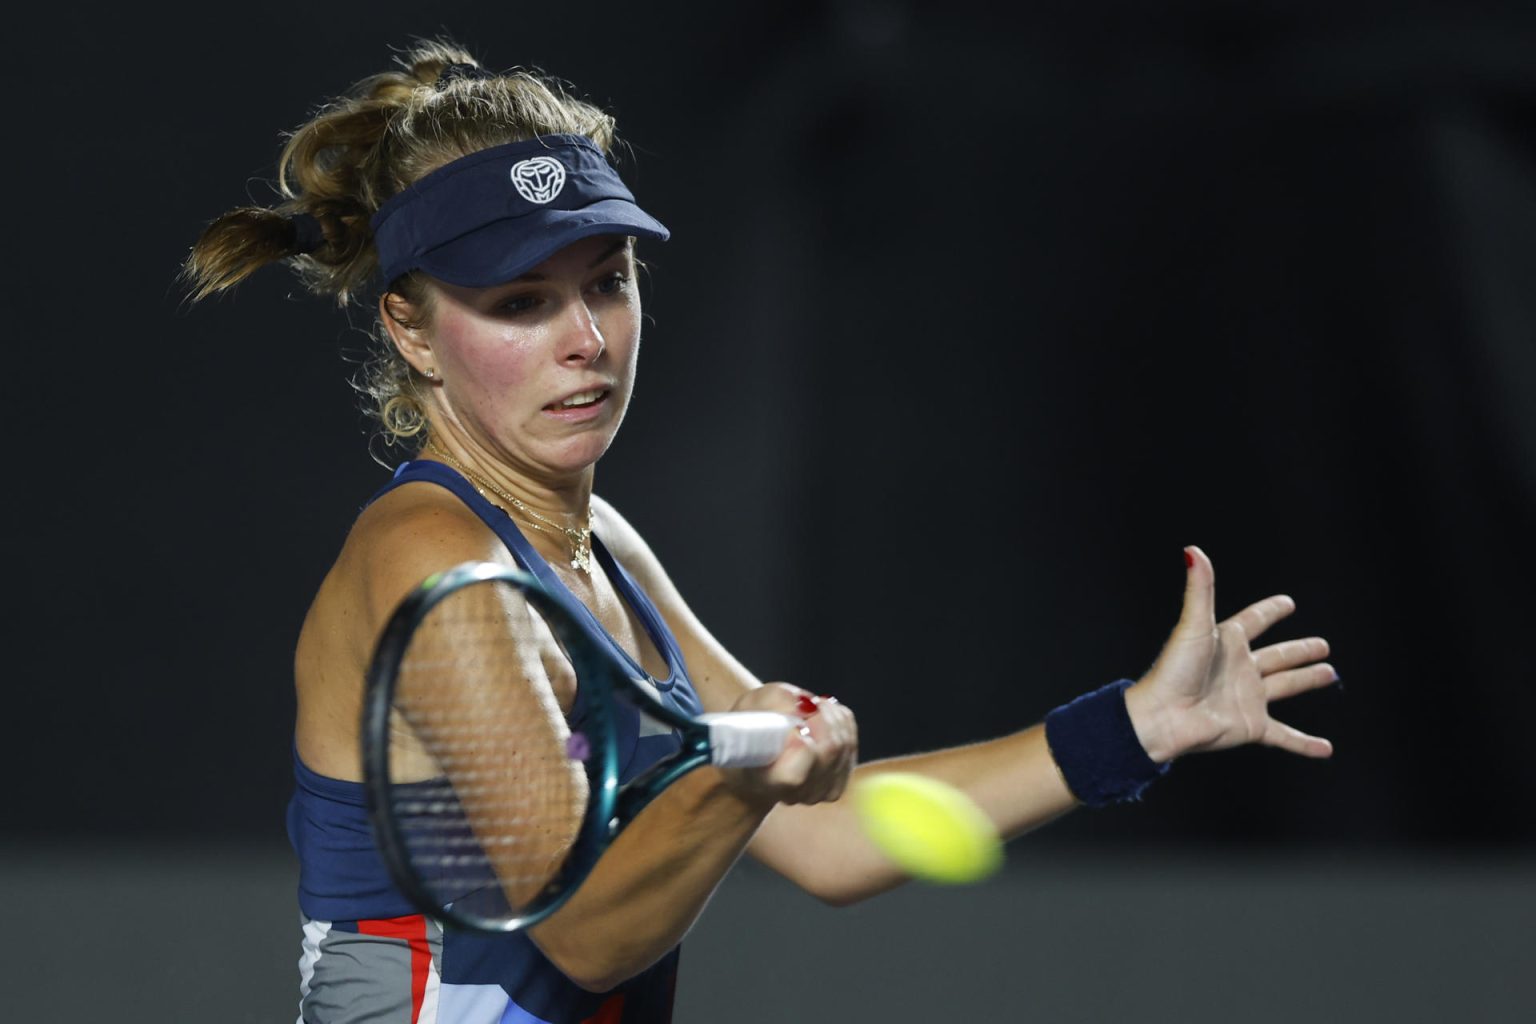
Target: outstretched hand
point(1210, 688)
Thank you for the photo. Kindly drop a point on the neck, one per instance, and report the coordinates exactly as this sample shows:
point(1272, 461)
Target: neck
point(566, 502)
point(564, 523)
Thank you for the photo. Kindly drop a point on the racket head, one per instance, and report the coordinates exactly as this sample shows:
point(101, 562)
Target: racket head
point(513, 816)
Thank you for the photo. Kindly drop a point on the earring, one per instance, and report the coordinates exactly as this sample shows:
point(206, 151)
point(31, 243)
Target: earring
point(431, 374)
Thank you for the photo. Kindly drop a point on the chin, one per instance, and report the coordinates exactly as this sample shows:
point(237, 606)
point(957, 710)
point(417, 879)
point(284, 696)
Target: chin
point(581, 453)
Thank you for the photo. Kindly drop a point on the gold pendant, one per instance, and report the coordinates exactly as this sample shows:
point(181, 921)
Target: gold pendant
point(581, 549)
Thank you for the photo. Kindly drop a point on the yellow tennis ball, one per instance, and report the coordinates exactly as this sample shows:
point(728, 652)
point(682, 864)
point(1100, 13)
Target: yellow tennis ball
point(929, 828)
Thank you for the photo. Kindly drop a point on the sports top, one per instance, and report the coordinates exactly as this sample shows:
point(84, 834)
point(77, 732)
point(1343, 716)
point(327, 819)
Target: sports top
point(385, 956)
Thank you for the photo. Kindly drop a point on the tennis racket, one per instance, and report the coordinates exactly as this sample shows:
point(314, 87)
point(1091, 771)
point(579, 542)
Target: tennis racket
point(488, 811)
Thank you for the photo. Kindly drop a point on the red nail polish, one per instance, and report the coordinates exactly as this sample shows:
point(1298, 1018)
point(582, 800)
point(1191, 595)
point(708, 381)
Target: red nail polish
point(806, 705)
point(1189, 559)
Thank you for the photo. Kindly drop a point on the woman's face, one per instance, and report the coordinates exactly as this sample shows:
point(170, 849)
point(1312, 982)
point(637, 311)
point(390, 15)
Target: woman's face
point(538, 371)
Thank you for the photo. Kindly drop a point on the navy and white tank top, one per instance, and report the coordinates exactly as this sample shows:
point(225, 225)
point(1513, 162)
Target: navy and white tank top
point(368, 956)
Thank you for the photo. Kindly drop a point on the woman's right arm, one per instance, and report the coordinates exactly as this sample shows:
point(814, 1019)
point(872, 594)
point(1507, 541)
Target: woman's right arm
point(646, 891)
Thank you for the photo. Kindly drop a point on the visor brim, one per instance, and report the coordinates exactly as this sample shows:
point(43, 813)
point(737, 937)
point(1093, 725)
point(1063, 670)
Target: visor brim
point(506, 249)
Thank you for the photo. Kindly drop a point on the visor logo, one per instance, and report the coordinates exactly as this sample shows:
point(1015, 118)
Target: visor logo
point(539, 178)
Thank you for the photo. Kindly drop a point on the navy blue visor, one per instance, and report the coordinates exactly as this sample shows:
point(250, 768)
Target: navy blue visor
point(495, 215)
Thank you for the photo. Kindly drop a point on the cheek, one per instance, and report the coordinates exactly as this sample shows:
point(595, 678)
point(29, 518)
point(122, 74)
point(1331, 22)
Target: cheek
point(621, 329)
point(487, 362)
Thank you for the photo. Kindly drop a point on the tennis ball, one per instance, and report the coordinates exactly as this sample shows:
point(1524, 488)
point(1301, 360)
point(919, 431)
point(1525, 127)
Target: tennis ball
point(930, 829)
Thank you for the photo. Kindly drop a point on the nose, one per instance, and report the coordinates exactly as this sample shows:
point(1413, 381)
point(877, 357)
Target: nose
point(581, 337)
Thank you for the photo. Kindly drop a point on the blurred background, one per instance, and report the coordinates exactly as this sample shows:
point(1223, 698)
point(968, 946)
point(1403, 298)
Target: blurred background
point(1011, 304)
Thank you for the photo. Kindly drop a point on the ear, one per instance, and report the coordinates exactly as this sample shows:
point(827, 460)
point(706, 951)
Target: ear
point(405, 324)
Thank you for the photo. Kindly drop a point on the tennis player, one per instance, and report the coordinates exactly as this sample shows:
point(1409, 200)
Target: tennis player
point(481, 212)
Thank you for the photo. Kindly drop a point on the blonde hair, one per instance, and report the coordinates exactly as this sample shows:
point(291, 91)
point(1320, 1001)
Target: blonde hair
point(360, 149)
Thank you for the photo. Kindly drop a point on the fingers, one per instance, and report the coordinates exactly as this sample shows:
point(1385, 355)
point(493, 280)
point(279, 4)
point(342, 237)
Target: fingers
point(1200, 601)
point(816, 761)
point(1258, 617)
point(1288, 684)
point(1199, 614)
point(834, 728)
point(1290, 654)
point(794, 766)
point(1278, 734)
point(1214, 672)
point(802, 750)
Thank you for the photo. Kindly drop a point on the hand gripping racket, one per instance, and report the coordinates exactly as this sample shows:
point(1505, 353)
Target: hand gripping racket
point(488, 811)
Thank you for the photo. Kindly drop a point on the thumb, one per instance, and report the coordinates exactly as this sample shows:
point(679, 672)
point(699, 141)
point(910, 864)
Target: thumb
point(1199, 613)
point(794, 765)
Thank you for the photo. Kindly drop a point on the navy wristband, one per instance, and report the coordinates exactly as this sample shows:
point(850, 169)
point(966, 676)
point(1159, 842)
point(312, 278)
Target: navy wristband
point(1095, 745)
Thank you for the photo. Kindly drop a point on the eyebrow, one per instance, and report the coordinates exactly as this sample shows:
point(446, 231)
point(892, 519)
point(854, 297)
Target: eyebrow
point(607, 255)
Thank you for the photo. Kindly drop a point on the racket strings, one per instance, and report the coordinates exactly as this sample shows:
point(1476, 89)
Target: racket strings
point(484, 794)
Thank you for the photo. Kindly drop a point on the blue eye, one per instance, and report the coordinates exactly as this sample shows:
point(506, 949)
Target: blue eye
point(614, 283)
point(519, 304)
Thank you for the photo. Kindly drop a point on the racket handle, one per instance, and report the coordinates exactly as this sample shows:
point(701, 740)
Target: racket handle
point(747, 739)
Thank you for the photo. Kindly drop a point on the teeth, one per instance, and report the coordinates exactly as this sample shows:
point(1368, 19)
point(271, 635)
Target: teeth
point(585, 398)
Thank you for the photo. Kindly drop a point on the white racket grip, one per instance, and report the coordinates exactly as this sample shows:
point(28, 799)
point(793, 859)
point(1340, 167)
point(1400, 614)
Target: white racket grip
point(747, 739)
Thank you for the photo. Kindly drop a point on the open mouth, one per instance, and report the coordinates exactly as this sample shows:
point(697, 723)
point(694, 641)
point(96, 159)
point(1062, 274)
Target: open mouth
point(583, 400)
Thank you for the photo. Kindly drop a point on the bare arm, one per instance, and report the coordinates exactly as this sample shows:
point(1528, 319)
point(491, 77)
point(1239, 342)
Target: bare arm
point(1207, 691)
point(823, 848)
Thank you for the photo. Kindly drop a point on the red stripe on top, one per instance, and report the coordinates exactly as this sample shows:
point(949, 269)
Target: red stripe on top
point(412, 929)
point(611, 1012)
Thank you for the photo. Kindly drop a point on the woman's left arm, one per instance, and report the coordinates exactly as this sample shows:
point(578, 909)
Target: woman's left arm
point(1210, 689)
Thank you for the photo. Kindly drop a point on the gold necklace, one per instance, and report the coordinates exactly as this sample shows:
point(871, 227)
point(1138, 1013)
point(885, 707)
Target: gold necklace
point(580, 538)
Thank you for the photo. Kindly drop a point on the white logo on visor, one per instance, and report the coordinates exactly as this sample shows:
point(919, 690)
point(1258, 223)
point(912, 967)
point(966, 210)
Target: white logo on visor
point(539, 178)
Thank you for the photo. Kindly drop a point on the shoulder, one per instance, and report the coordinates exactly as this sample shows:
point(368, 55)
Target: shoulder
point(399, 540)
point(410, 533)
point(627, 546)
point(396, 542)
point(631, 551)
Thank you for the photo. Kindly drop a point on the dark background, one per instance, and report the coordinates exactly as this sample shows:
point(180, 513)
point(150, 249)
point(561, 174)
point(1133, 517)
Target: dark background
point(1015, 305)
